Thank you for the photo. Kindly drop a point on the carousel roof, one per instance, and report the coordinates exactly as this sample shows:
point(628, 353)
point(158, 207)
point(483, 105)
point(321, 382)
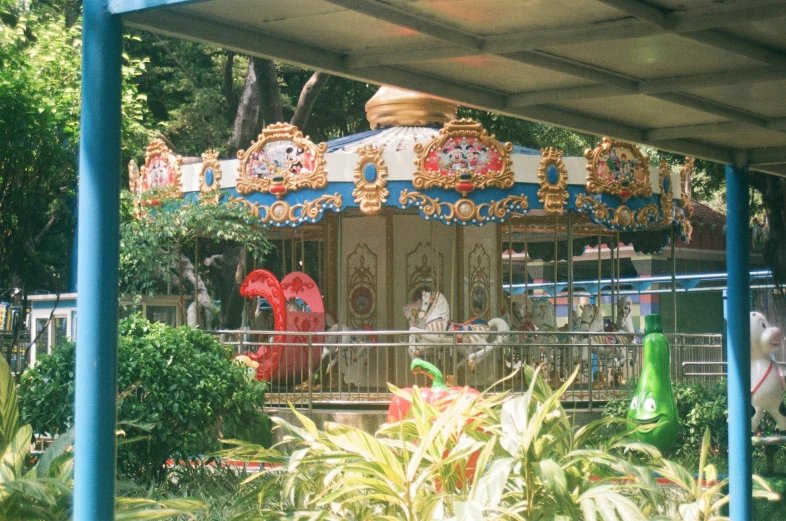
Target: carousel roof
point(417, 157)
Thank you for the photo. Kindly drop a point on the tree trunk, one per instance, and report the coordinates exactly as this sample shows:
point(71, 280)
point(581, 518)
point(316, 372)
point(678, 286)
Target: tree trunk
point(245, 128)
point(773, 192)
point(268, 89)
point(228, 88)
point(228, 268)
point(308, 96)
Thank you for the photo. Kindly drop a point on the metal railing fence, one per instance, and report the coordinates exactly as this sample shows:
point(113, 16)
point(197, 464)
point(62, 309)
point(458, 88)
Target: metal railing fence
point(355, 367)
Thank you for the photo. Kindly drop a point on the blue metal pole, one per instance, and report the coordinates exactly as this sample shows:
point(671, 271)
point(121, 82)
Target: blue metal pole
point(738, 343)
point(99, 239)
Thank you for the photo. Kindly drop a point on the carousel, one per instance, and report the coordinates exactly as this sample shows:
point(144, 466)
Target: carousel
point(399, 241)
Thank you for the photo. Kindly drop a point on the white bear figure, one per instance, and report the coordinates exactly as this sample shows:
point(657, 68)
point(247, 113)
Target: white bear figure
point(767, 383)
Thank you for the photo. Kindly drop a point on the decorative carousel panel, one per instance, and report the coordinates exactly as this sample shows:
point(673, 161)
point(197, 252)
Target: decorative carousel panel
point(685, 209)
point(463, 157)
point(281, 213)
point(618, 168)
point(161, 172)
point(463, 211)
point(280, 161)
point(370, 180)
point(553, 175)
point(621, 218)
point(666, 201)
point(210, 177)
point(362, 288)
point(422, 273)
point(479, 282)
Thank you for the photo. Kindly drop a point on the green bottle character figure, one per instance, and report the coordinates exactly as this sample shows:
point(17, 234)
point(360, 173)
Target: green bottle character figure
point(653, 405)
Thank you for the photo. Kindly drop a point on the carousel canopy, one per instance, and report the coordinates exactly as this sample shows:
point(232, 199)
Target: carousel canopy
point(418, 158)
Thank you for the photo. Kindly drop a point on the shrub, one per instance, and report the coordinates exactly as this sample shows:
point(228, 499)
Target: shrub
point(177, 387)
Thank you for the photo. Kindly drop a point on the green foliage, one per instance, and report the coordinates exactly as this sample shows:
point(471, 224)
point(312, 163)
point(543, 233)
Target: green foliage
point(531, 464)
point(151, 245)
point(42, 491)
point(40, 77)
point(699, 408)
point(176, 387)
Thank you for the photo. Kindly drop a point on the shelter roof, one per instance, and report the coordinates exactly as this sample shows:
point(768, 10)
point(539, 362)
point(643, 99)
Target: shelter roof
point(703, 214)
point(696, 77)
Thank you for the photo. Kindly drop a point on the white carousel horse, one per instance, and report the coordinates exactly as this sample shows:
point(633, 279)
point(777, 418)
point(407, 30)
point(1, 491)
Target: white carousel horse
point(609, 356)
point(350, 354)
point(625, 315)
point(519, 313)
point(434, 317)
point(767, 376)
point(624, 324)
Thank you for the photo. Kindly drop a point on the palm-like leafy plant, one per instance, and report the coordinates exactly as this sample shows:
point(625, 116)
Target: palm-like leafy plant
point(532, 464)
point(41, 491)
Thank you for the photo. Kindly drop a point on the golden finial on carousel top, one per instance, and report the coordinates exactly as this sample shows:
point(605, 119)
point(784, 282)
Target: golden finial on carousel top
point(394, 107)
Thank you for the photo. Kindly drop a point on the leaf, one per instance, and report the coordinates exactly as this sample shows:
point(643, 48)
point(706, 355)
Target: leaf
point(56, 449)
point(9, 412)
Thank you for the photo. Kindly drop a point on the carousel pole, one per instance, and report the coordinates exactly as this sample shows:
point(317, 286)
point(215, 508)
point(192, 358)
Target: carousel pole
point(97, 254)
point(673, 282)
point(509, 303)
point(618, 267)
point(611, 277)
point(196, 281)
point(570, 271)
point(293, 252)
point(453, 270)
point(738, 343)
point(302, 250)
point(283, 255)
point(339, 267)
point(556, 264)
point(600, 272)
point(526, 271)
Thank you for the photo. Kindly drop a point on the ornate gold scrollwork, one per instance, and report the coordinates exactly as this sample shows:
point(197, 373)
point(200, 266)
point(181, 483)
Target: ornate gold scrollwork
point(464, 210)
point(685, 207)
point(210, 178)
point(664, 182)
point(618, 168)
point(281, 160)
point(282, 212)
point(370, 180)
point(686, 189)
point(553, 175)
point(463, 157)
point(161, 172)
point(620, 217)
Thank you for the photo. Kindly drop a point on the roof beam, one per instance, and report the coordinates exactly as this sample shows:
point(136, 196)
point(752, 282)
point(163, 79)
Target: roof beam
point(724, 16)
point(624, 84)
point(573, 68)
point(264, 44)
point(689, 131)
point(676, 22)
point(653, 86)
point(711, 37)
point(623, 28)
point(767, 156)
point(404, 18)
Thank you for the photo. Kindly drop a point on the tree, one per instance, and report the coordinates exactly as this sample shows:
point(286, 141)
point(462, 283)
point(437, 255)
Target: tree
point(158, 247)
point(40, 59)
